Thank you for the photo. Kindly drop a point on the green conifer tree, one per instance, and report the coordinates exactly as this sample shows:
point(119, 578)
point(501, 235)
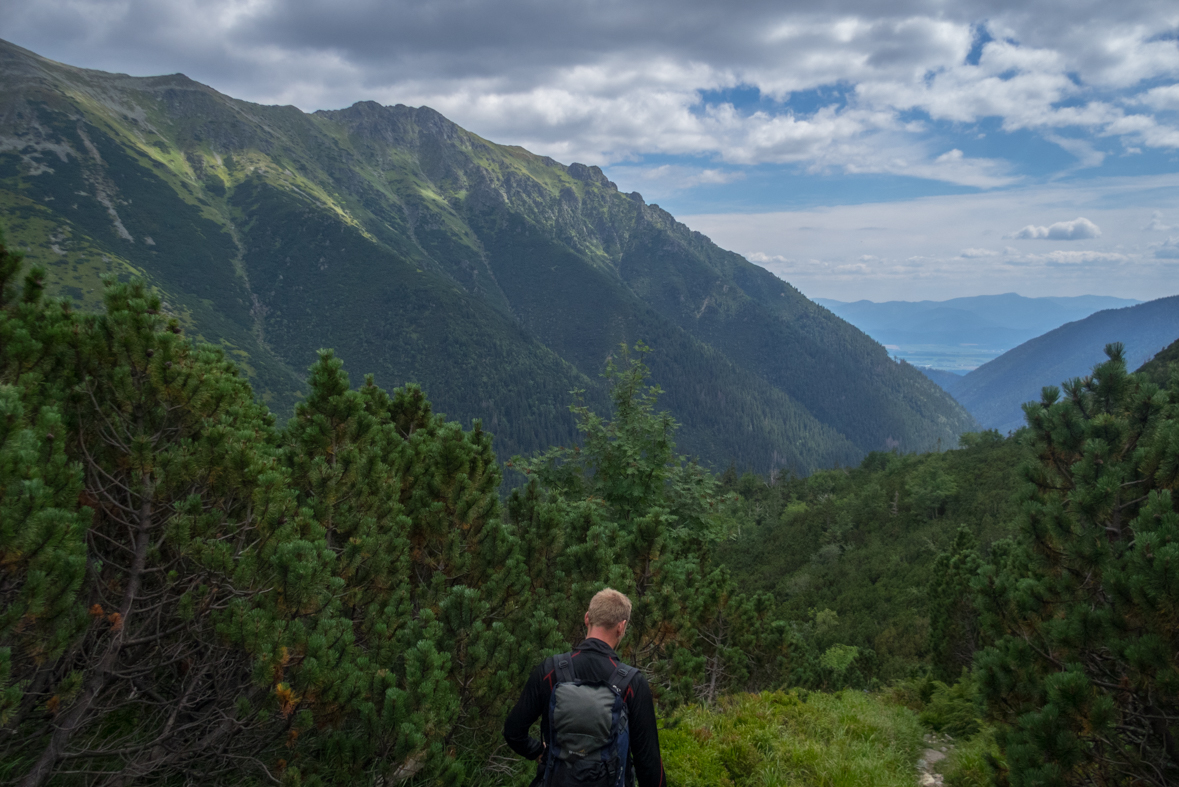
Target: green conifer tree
point(1083, 672)
point(930, 488)
point(208, 602)
point(636, 516)
point(42, 531)
point(953, 616)
point(346, 461)
point(742, 644)
point(433, 581)
point(468, 583)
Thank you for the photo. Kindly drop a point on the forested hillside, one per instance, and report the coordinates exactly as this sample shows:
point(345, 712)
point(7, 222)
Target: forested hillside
point(225, 559)
point(1162, 365)
point(852, 551)
point(496, 279)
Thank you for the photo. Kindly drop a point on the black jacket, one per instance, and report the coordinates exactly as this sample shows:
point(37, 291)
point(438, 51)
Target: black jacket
point(593, 660)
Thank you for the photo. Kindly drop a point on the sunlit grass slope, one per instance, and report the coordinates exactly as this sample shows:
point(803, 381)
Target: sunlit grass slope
point(849, 739)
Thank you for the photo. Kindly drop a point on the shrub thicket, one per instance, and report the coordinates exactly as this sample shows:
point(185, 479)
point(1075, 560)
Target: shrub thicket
point(191, 593)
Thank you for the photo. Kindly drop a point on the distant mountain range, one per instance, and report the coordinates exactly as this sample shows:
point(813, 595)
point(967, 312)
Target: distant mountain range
point(963, 333)
point(995, 391)
point(497, 279)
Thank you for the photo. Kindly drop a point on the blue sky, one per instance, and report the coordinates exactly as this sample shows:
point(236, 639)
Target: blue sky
point(917, 149)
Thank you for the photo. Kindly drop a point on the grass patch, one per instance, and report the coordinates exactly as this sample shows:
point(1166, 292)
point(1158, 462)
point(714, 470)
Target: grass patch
point(848, 739)
point(966, 765)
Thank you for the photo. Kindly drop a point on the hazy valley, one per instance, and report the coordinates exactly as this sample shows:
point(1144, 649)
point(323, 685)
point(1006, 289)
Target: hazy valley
point(1024, 343)
point(961, 334)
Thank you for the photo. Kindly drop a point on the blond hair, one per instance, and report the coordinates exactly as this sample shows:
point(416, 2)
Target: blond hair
point(608, 608)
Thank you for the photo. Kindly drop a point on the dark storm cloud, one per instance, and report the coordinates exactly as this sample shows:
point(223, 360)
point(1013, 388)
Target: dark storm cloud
point(447, 38)
point(608, 81)
point(520, 42)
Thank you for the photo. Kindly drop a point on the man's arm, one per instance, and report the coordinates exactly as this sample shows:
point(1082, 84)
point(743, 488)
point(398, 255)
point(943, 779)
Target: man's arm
point(528, 709)
point(644, 735)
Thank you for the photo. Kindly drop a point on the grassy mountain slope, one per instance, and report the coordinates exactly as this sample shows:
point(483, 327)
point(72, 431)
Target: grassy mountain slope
point(995, 391)
point(498, 279)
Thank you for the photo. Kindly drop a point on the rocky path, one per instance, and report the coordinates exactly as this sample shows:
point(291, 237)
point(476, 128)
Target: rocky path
point(937, 747)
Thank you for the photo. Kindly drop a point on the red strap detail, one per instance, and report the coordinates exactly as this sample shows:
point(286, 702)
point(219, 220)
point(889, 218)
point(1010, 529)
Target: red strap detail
point(549, 677)
point(612, 661)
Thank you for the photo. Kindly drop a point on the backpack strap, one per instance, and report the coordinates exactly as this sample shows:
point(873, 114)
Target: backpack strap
point(563, 666)
point(621, 678)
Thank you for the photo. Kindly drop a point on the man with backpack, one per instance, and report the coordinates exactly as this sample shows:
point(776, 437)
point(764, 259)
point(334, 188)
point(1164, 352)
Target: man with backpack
point(597, 717)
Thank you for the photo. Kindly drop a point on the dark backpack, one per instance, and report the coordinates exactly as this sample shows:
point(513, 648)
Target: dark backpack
point(589, 734)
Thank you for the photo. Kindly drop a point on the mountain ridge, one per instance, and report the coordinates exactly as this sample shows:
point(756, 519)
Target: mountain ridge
point(1161, 365)
point(996, 391)
point(498, 279)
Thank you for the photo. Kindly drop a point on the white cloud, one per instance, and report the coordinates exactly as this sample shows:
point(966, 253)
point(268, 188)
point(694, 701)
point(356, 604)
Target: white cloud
point(761, 258)
point(1077, 229)
point(1157, 224)
point(1087, 155)
point(671, 177)
point(1161, 98)
point(1080, 257)
point(927, 247)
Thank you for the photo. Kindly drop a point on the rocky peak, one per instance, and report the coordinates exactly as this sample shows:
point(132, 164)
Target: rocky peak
point(590, 175)
point(413, 128)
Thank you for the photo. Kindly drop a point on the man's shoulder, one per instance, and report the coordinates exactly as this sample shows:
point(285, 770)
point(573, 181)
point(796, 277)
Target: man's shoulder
point(637, 688)
point(550, 662)
point(544, 665)
point(639, 679)
point(634, 675)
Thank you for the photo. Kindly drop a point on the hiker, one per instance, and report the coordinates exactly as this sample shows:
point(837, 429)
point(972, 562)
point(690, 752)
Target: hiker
point(595, 712)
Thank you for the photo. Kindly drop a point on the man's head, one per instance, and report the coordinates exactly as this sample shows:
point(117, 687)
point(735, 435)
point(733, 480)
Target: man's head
point(608, 614)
